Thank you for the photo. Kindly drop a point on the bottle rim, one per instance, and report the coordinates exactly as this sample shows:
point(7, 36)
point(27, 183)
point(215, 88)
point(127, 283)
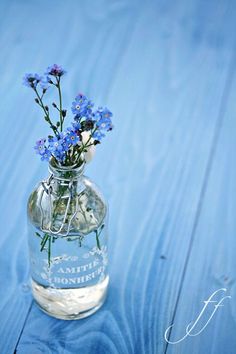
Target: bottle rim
point(61, 172)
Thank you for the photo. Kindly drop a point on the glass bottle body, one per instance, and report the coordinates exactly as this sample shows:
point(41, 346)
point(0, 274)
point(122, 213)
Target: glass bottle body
point(68, 244)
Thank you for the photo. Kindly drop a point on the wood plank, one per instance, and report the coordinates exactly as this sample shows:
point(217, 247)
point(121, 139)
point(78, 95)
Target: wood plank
point(26, 42)
point(154, 183)
point(212, 261)
point(156, 62)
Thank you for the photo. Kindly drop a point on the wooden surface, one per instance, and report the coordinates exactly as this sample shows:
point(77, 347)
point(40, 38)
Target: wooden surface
point(167, 71)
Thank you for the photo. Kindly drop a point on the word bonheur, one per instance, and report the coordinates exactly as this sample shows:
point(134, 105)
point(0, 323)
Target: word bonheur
point(190, 328)
point(67, 272)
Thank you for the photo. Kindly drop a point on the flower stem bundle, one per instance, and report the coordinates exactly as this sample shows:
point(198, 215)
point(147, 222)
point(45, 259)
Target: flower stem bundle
point(88, 128)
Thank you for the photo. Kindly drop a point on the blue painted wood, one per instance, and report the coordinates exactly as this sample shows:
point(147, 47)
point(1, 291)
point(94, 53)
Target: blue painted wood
point(163, 68)
point(211, 264)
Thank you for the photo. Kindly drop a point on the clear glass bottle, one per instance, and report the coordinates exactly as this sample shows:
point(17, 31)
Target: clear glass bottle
point(68, 219)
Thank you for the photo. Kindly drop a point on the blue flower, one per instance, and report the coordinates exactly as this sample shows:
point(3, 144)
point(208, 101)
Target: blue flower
point(98, 135)
point(55, 144)
point(104, 124)
point(44, 83)
point(71, 137)
point(76, 125)
point(60, 155)
point(81, 107)
point(65, 145)
point(41, 141)
point(42, 150)
point(40, 146)
point(106, 113)
point(31, 80)
point(46, 155)
point(55, 70)
point(103, 119)
point(58, 147)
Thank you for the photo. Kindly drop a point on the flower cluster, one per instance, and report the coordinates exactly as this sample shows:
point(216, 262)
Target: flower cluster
point(97, 121)
point(87, 128)
point(55, 70)
point(82, 107)
point(57, 146)
point(32, 80)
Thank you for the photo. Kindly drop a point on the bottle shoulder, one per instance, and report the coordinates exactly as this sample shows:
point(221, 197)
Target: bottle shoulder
point(83, 206)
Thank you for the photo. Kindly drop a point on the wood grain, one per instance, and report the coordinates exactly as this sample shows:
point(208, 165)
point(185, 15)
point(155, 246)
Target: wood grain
point(212, 261)
point(164, 70)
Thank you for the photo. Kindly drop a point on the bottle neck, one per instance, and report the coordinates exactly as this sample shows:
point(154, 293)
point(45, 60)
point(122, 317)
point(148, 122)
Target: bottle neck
point(65, 177)
point(66, 173)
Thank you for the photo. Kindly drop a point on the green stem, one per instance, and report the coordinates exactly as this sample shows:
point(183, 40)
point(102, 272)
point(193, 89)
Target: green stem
point(60, 104)
point(97, 240)
point(90, 137)
point(37, 234)
point(49, 250)
point(53, 127)
point(84, 146)
point(44, 241)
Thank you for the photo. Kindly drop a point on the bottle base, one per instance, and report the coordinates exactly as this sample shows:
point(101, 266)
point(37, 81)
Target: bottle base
point(70, 304)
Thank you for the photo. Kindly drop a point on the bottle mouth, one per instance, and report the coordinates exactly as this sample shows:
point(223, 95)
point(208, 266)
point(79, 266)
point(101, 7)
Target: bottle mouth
point(66, 172)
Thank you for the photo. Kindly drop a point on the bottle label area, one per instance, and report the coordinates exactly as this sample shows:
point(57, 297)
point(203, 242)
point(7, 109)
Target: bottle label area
point(71, 270)
point(78, 275)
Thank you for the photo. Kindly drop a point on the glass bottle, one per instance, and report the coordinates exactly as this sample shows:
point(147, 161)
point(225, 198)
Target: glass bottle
point(68, 219)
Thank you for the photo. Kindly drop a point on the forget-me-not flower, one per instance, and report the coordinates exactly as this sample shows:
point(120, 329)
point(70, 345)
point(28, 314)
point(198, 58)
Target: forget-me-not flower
point(31, 80)
point(81, 107)
point(55, 70)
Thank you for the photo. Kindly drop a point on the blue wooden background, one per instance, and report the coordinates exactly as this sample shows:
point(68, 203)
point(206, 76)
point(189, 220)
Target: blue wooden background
point(167, 71)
